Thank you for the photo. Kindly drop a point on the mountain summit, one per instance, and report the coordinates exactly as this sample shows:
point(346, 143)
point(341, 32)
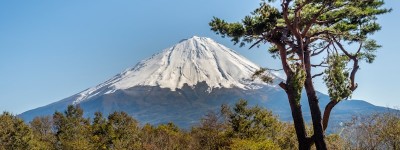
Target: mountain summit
point(184, 82)
point(194, 60)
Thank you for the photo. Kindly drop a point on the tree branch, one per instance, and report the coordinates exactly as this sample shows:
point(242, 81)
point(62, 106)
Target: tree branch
point(355, 64)
point(342, 48)
point(327, 113)
point(313, 20)
point(256, 43)
point(323, 49)
point(353, 74)
point(359, 48)
point(316, 75)
point(288, 42)
point(319, 65)
point(283, 86)
point(291, 27)
point(285, 9)
point(273, 69)
point(282, 52)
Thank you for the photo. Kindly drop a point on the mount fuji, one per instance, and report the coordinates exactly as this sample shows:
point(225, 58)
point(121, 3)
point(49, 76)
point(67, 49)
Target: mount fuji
point(182, 83)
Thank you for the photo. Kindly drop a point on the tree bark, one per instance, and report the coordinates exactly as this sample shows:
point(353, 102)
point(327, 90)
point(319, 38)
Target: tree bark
point(313, 101)
point(297, 113)
point(327, 113)
point(298, 120)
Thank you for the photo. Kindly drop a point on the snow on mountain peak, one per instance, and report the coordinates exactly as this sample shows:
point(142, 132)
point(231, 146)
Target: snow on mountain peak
point(194, 60)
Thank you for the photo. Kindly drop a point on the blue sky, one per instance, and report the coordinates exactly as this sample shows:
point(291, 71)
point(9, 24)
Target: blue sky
point(50, 50)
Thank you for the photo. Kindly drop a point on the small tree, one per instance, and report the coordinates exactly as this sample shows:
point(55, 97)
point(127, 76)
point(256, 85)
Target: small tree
point(254, 126)
point(72, 131)
point(100, 138)
point(251, 122)
point(301, 32)
point(123, 131)
point(43, 134)
point(211, 134)
point(14, 133)
point(165, 136)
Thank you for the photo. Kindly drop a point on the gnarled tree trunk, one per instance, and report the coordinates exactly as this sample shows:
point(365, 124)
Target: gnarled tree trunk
point(298, 120)
point(313, 101)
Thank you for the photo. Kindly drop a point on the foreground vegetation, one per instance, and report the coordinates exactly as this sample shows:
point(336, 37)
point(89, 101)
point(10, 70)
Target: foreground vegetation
point(240, 127)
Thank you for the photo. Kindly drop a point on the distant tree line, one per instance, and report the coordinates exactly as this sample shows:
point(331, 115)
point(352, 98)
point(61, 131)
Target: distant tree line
point(238, 127)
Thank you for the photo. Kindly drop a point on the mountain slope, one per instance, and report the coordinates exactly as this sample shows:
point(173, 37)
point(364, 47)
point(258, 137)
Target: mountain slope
point(181, 83)
point(190, 61)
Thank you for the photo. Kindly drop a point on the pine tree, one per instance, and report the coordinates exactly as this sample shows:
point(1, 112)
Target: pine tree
point(14, 133)
point(123, 131)
point(301, 32)
point(72, 131)
point(253, 123)
point(100, 138)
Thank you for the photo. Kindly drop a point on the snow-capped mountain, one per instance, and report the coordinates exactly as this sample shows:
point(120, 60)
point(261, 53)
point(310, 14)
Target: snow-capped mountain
point(181, 83)
point(194, 60)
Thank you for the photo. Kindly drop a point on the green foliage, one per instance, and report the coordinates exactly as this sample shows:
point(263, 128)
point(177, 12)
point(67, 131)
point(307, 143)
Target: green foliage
point(296, 82)
point(123, 131)
point(251, 122)
point(274, 51)
point(261, 73)
point(14, 133)
point(166, 136)
point(100, 138)
point(263, 19)
point(317, 22)
point(300, 31)
point(43, 135)
point(286, 137)
point(353, 20)
point(211, 133)
point(147, 137)
point(257, 128)
point(334, 141)
point(369, 49)
point(241, 144)
point(241, 127)
point(337, 78)
point(72, 130)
